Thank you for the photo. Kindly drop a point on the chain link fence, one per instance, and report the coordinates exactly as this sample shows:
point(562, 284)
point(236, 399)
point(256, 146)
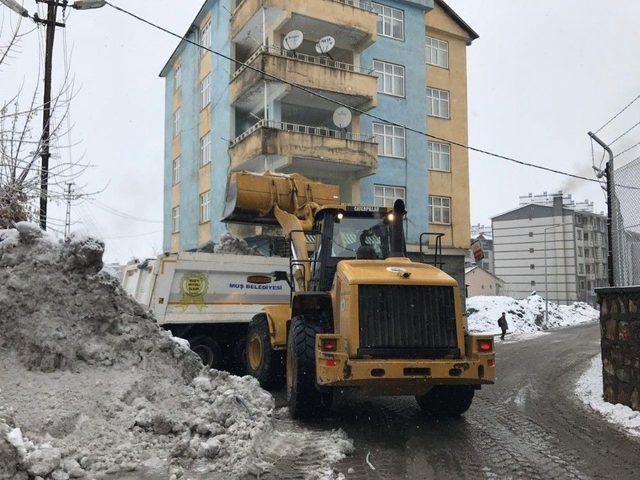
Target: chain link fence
point(625, 204)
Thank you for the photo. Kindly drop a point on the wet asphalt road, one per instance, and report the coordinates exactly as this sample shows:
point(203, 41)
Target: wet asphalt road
point(528, 425)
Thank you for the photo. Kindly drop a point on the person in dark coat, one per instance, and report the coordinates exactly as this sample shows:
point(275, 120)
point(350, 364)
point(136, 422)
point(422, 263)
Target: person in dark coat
point(504, 326)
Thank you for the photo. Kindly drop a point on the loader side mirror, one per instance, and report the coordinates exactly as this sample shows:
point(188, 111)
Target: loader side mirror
point(281, 276)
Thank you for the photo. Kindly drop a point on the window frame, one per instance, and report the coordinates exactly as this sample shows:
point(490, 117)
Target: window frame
point(381, 146)
point(442, 208)
point(204, 207)
point(205, 150)
point(383, 16)
point(205, 38)
point(176, 170)
point(432, 99)
point(175, 219)
point(383, 75)
point(432, 154)
point(429, 40)
point(177, 77)
point(205, 91)
point(384, 197)
point(177, 121)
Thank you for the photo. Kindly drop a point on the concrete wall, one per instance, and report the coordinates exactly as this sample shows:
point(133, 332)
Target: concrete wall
point(411, 110)
point(480, 282)
point(454, 184)
point(620, 328)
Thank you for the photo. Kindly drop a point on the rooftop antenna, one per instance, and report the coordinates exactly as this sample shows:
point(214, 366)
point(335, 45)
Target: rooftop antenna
point(325, 45)
point(292, 41)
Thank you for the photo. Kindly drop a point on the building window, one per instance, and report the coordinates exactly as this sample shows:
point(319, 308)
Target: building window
point(580, 253)
point(437, 52)
point(205, 216)
point(587, 252)
point(176, 171)
point(439, 156)
point(177, 77)
point(586, 236)
point(390, 21)
point(437, 103)
point(175, 220)
point(579, 233)
point(205, 38)
point(533, 283)
point(205, 91)
point(391, 140)
point(440, 210)
point(176, 123)
point(532, 266)
point(390, 78)
point(205, 150)
point(531, 250)
point(531, 234)
point(386, 195)
point(581, 268)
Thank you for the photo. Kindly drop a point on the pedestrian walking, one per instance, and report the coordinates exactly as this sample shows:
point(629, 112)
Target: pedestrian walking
point(504, 326)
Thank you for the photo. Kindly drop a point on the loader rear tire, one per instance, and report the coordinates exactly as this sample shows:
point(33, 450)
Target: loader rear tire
point(446, 400)
point(262, 361)
point(304, 397)
point(208, 350)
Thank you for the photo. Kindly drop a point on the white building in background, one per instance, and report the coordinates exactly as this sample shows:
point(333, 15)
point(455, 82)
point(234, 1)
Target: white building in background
point(575, 251)
point(547, 200)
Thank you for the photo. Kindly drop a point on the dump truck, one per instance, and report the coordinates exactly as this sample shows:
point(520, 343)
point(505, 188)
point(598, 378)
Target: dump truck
point(208, 299)
point(361, 315)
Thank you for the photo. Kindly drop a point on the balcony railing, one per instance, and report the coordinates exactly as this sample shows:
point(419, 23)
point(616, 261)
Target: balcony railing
point(306, 129)
point(301, 57)
point(361, 4)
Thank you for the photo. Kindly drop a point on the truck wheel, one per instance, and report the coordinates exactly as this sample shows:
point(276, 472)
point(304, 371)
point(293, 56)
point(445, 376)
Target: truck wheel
point(262, 361)
point(304, 398)
point(208, 350)
point(447, 400)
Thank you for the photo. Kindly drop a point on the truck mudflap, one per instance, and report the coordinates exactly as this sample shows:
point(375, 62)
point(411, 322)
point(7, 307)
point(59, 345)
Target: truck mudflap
point(334, 368)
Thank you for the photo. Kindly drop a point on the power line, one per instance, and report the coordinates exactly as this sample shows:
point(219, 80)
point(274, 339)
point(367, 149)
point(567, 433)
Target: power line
point(362, 112)
point(622, 135)
point(628, 149)
point(619, 113)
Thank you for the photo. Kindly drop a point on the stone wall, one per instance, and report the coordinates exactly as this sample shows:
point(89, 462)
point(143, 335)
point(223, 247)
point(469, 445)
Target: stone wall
point(620, 328)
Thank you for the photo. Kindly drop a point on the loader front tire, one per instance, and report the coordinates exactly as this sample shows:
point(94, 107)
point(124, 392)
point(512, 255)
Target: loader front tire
point(304, 398)
point(446, 400)
point(262, 361)
point(208, 350)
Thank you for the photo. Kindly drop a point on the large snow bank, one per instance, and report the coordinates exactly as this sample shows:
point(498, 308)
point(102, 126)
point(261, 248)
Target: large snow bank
point(590, 390)
point(96, 387)
point(526, 315)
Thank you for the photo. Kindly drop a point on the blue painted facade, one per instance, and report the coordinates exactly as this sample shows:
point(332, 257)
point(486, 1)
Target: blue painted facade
point(410, 110)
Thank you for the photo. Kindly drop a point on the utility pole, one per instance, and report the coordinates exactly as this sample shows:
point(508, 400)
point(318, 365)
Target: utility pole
point(610, 194)
point(67, 220)
point(51, 24)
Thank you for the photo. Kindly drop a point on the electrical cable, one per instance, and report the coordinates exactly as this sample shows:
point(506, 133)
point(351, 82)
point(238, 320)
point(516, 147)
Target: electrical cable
point(618, 114)
point(622, 135)
point(362, 112)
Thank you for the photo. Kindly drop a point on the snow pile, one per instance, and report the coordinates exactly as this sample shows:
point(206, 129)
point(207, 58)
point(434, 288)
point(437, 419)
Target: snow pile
point(97, 387)
point(526, 315)
point(590, 390)
point(231, 244)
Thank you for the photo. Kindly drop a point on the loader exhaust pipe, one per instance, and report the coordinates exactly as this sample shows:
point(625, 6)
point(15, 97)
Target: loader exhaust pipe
point(398, 245)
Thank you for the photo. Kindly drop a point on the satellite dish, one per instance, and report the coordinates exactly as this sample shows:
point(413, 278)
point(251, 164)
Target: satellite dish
point(325, 44)
point(293, 40)
point(342, 117)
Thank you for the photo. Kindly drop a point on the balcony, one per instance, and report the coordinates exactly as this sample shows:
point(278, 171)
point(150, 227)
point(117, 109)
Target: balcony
point(351, 22)
point(317, 152)
point(349, 84)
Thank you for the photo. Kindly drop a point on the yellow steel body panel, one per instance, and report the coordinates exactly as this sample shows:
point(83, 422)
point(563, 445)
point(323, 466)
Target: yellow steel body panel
point(278, 316)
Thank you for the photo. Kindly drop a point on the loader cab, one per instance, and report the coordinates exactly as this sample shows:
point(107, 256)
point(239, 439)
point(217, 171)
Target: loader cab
point(349, 233)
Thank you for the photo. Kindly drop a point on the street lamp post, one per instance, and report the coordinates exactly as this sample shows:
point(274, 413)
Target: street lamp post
point(546, 278)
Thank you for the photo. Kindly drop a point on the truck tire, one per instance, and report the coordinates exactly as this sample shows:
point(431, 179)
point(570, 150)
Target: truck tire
point(446, 400)
point(262, 361)
point(304, 398)
point(208, 350)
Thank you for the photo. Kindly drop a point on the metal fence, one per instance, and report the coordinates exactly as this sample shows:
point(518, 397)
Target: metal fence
point(625, 224)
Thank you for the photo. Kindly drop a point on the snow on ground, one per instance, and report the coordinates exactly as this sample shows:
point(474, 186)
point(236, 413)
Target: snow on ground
point(90, 385)
point(525, 316)
point(590, 390)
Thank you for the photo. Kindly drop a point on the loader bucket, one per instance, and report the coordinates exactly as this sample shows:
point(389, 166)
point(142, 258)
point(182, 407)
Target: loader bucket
point(251, 197)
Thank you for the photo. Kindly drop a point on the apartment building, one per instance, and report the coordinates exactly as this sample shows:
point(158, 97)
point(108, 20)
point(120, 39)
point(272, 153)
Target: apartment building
point(572, 244)
point(398, 59)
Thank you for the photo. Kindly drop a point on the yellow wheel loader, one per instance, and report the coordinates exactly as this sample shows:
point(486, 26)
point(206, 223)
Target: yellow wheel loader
point(362, 315)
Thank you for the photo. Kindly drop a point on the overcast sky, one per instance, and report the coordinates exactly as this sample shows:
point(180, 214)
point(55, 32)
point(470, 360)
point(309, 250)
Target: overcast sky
point(541, 75)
